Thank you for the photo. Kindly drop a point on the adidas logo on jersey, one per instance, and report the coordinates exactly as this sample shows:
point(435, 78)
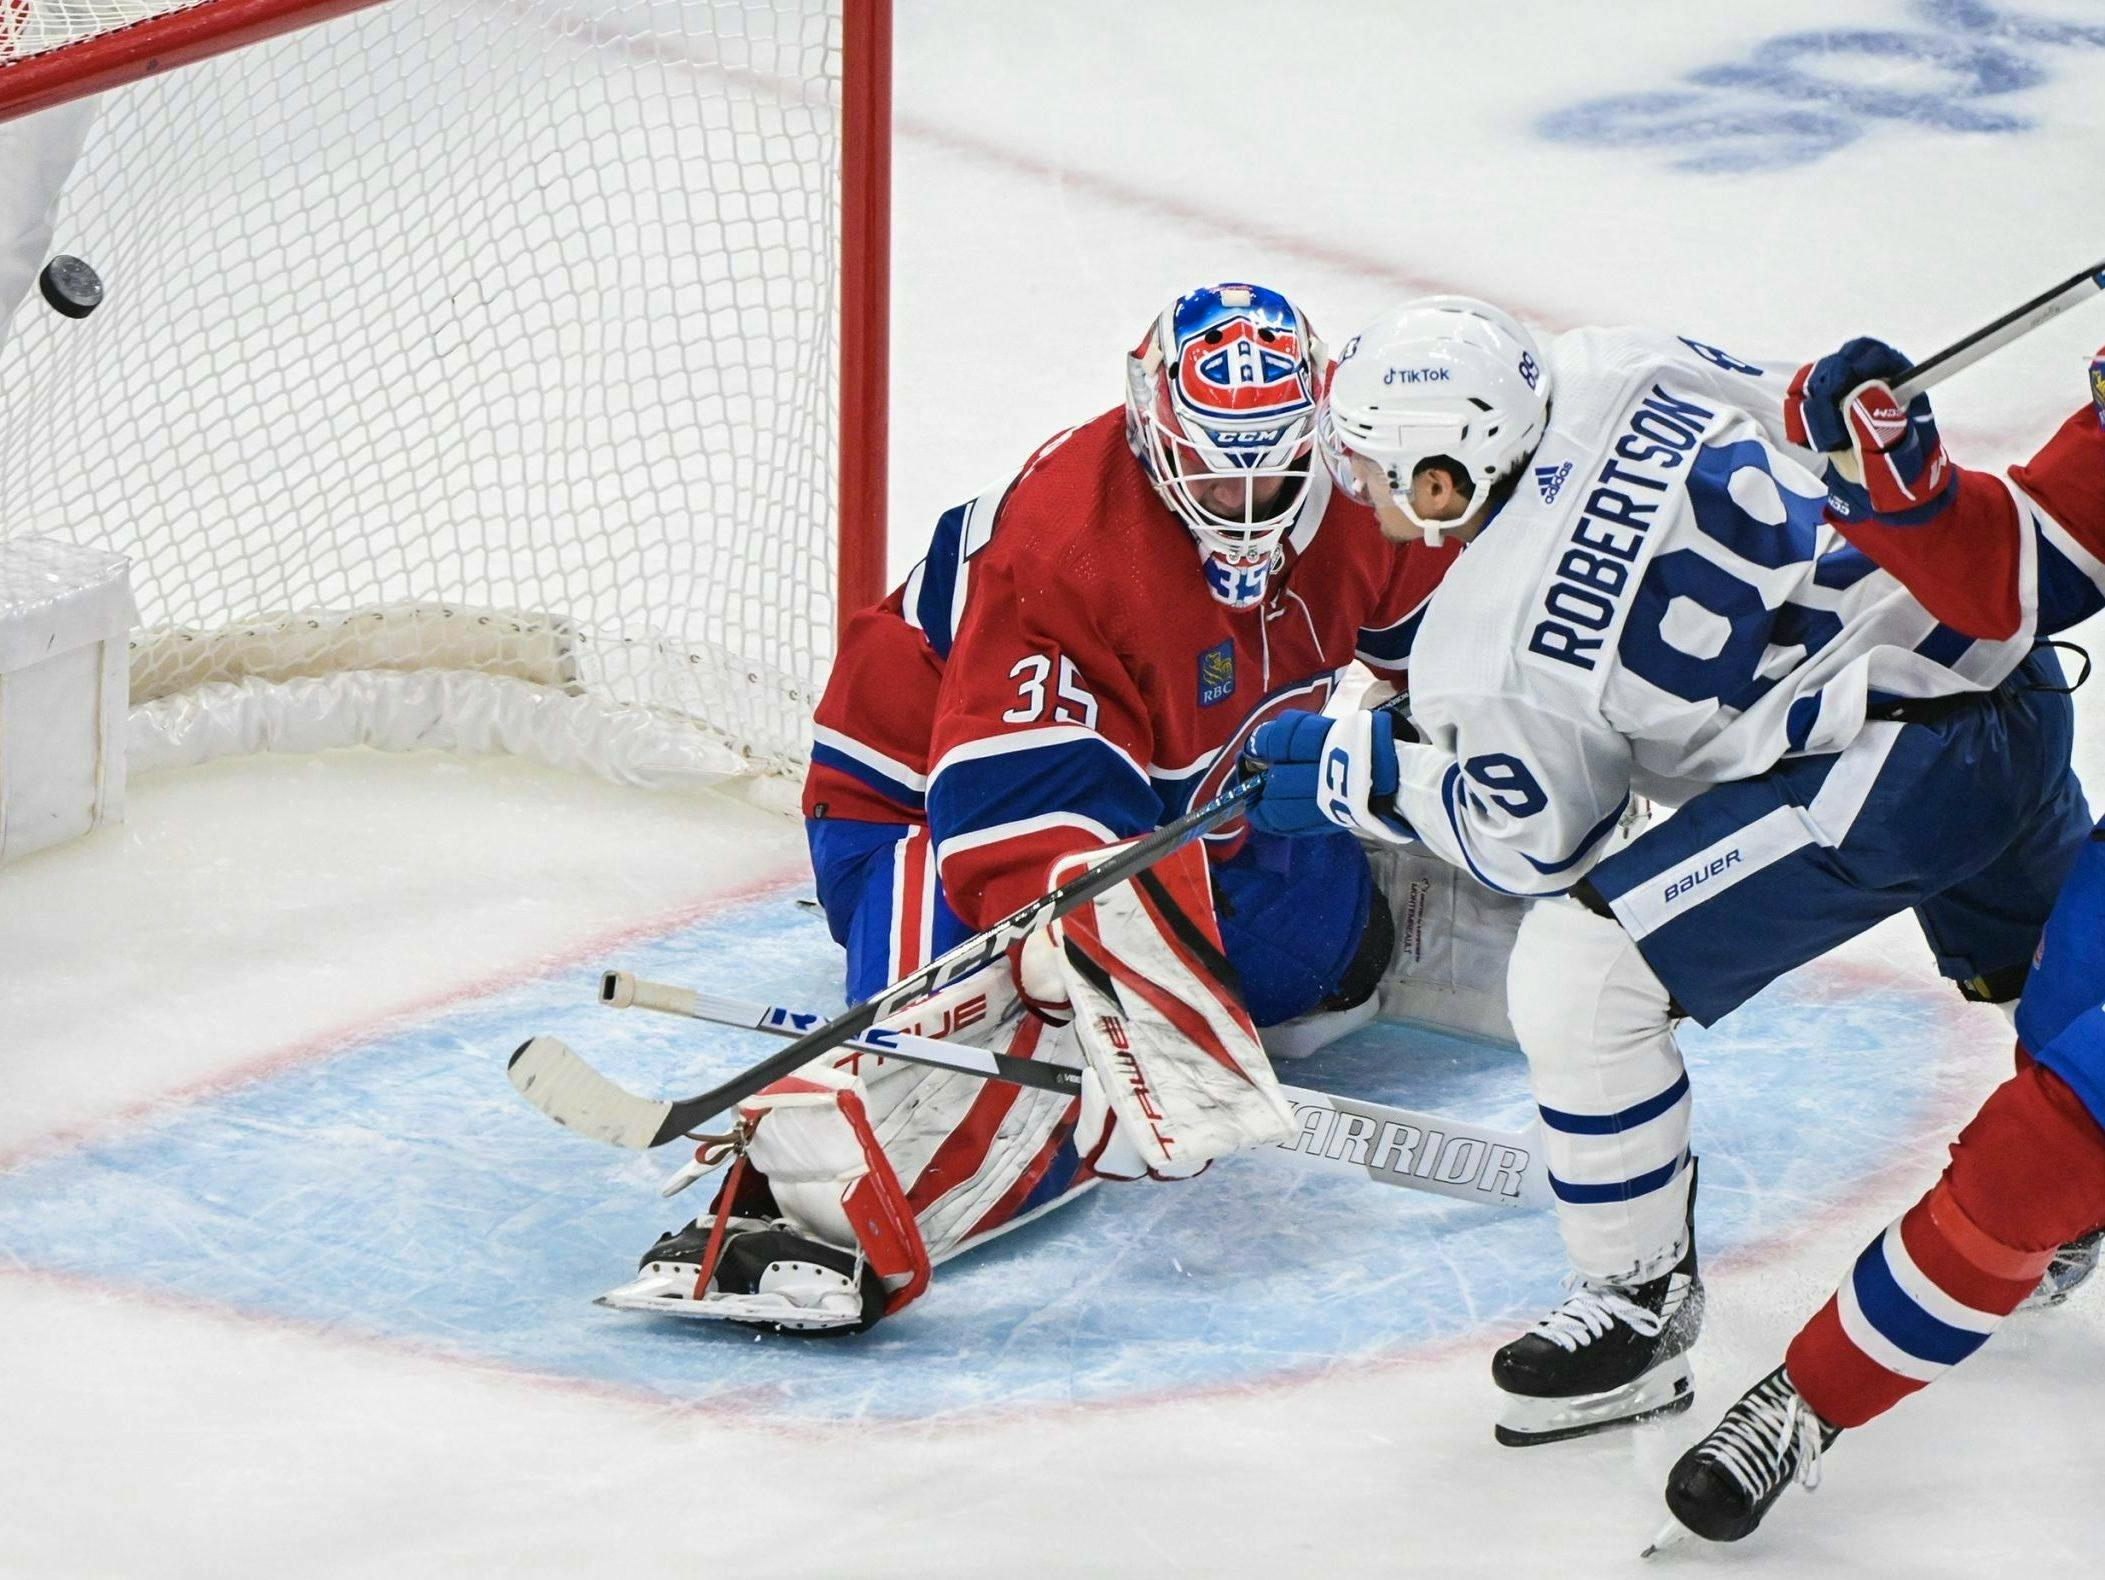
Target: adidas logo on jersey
point(1550, 479)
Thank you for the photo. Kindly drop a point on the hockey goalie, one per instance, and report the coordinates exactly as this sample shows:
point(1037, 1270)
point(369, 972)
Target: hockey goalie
point(1080, 658)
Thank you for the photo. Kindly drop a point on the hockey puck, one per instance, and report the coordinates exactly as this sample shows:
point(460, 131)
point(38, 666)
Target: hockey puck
point(71, 286)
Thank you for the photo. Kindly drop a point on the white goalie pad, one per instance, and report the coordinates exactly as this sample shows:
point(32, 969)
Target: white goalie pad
point(1454, 938)
point(808, 1137)
point(811, 1137)
point(960, 1144)
point(1177, 1057)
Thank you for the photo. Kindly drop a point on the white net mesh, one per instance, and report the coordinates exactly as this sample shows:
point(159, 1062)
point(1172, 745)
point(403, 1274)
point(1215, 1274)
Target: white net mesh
point(505, 307)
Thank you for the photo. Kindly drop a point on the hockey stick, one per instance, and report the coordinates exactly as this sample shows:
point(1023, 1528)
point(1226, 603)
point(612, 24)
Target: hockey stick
point(1992, 337)
point(623, 991)
point(1394, 1146)
point(597, 1107)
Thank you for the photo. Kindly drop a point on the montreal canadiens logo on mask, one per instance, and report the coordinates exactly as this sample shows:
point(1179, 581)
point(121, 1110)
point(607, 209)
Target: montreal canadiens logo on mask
point(1237, 369)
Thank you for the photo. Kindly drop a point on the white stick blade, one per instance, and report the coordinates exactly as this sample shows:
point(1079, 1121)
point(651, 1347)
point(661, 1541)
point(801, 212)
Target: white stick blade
point(568, 1090)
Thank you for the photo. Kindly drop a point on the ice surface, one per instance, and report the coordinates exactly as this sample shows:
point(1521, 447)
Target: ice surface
point(455, 1215)
point(291, 1284)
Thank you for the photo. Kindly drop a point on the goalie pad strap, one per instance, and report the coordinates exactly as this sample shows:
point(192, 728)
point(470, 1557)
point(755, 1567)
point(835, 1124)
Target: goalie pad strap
point(716, 1228)
point(811, 1137)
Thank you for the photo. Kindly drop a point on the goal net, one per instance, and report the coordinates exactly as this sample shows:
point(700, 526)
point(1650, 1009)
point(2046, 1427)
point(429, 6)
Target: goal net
point(472, 370)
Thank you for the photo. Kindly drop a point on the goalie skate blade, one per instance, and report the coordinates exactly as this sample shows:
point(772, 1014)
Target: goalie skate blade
point(671, 1294)
point(1664, 1390)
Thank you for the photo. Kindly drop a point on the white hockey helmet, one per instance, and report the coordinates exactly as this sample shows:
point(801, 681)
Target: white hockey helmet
point(1439, 378)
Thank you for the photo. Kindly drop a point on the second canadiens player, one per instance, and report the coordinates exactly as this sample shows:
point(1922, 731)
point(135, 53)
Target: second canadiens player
point(1653, 602)
point(1081, 657)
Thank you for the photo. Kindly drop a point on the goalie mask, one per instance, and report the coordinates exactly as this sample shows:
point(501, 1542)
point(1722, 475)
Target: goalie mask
point(1221, 399)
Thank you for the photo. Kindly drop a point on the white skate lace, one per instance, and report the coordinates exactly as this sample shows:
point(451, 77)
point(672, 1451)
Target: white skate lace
point(1591, 1310)
point(1754, 1441)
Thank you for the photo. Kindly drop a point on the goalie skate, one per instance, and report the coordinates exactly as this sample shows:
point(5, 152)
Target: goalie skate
point(766, 1276)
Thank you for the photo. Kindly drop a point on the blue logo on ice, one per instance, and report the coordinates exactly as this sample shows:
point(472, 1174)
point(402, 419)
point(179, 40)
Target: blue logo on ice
point(1216, 674)
point(1966, 66)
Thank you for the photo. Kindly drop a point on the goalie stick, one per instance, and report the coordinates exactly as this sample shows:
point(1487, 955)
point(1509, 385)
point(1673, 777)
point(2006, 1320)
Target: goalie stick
point(1392, 1146)
point(625, 1120)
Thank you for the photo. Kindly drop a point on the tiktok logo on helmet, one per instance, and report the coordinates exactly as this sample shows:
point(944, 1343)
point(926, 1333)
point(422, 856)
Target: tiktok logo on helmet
point(1221, 400)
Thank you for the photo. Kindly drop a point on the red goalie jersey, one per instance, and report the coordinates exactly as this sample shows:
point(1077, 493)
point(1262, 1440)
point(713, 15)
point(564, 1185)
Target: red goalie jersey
point(1056, 674)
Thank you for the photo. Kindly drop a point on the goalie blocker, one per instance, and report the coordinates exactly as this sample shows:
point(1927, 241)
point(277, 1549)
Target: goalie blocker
point(852, 1181)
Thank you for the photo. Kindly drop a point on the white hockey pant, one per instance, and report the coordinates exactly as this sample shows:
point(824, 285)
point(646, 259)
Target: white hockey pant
point(1594, 1022)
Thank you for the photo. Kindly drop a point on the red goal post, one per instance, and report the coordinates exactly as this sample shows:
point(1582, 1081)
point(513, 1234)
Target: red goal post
point(523, 338)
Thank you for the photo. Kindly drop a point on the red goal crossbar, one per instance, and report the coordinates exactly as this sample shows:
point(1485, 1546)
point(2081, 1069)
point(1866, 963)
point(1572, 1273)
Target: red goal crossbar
point(137, 50)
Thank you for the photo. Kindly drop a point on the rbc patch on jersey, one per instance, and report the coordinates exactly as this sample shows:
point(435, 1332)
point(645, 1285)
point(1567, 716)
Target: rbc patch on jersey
point(1216, 674)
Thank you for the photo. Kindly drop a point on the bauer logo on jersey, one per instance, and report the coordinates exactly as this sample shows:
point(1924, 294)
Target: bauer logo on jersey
point(1216, 674)
point(1243, 369)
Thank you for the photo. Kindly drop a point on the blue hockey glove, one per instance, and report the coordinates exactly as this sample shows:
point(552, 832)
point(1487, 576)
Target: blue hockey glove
point(1883, 462)
point(1323, 773)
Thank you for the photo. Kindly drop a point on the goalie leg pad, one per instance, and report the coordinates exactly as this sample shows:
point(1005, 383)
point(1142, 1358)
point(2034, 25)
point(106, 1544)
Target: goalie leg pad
point(1454, 943)
point(811, 1232)
point(977, 1157)
point(811, 1137)
point(1160, 1021)
point(1594, 1022)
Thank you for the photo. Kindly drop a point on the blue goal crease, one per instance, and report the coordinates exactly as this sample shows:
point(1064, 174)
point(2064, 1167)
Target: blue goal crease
point(400, 1189)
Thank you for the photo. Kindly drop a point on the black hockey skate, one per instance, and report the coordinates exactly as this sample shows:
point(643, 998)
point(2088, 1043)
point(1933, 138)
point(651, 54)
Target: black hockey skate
point(767, 1276)
point(1611, 1353)
point(1721, 1488)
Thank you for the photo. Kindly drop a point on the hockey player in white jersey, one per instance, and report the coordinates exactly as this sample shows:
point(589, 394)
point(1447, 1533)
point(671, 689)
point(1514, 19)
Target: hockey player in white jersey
point(1652, 604)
